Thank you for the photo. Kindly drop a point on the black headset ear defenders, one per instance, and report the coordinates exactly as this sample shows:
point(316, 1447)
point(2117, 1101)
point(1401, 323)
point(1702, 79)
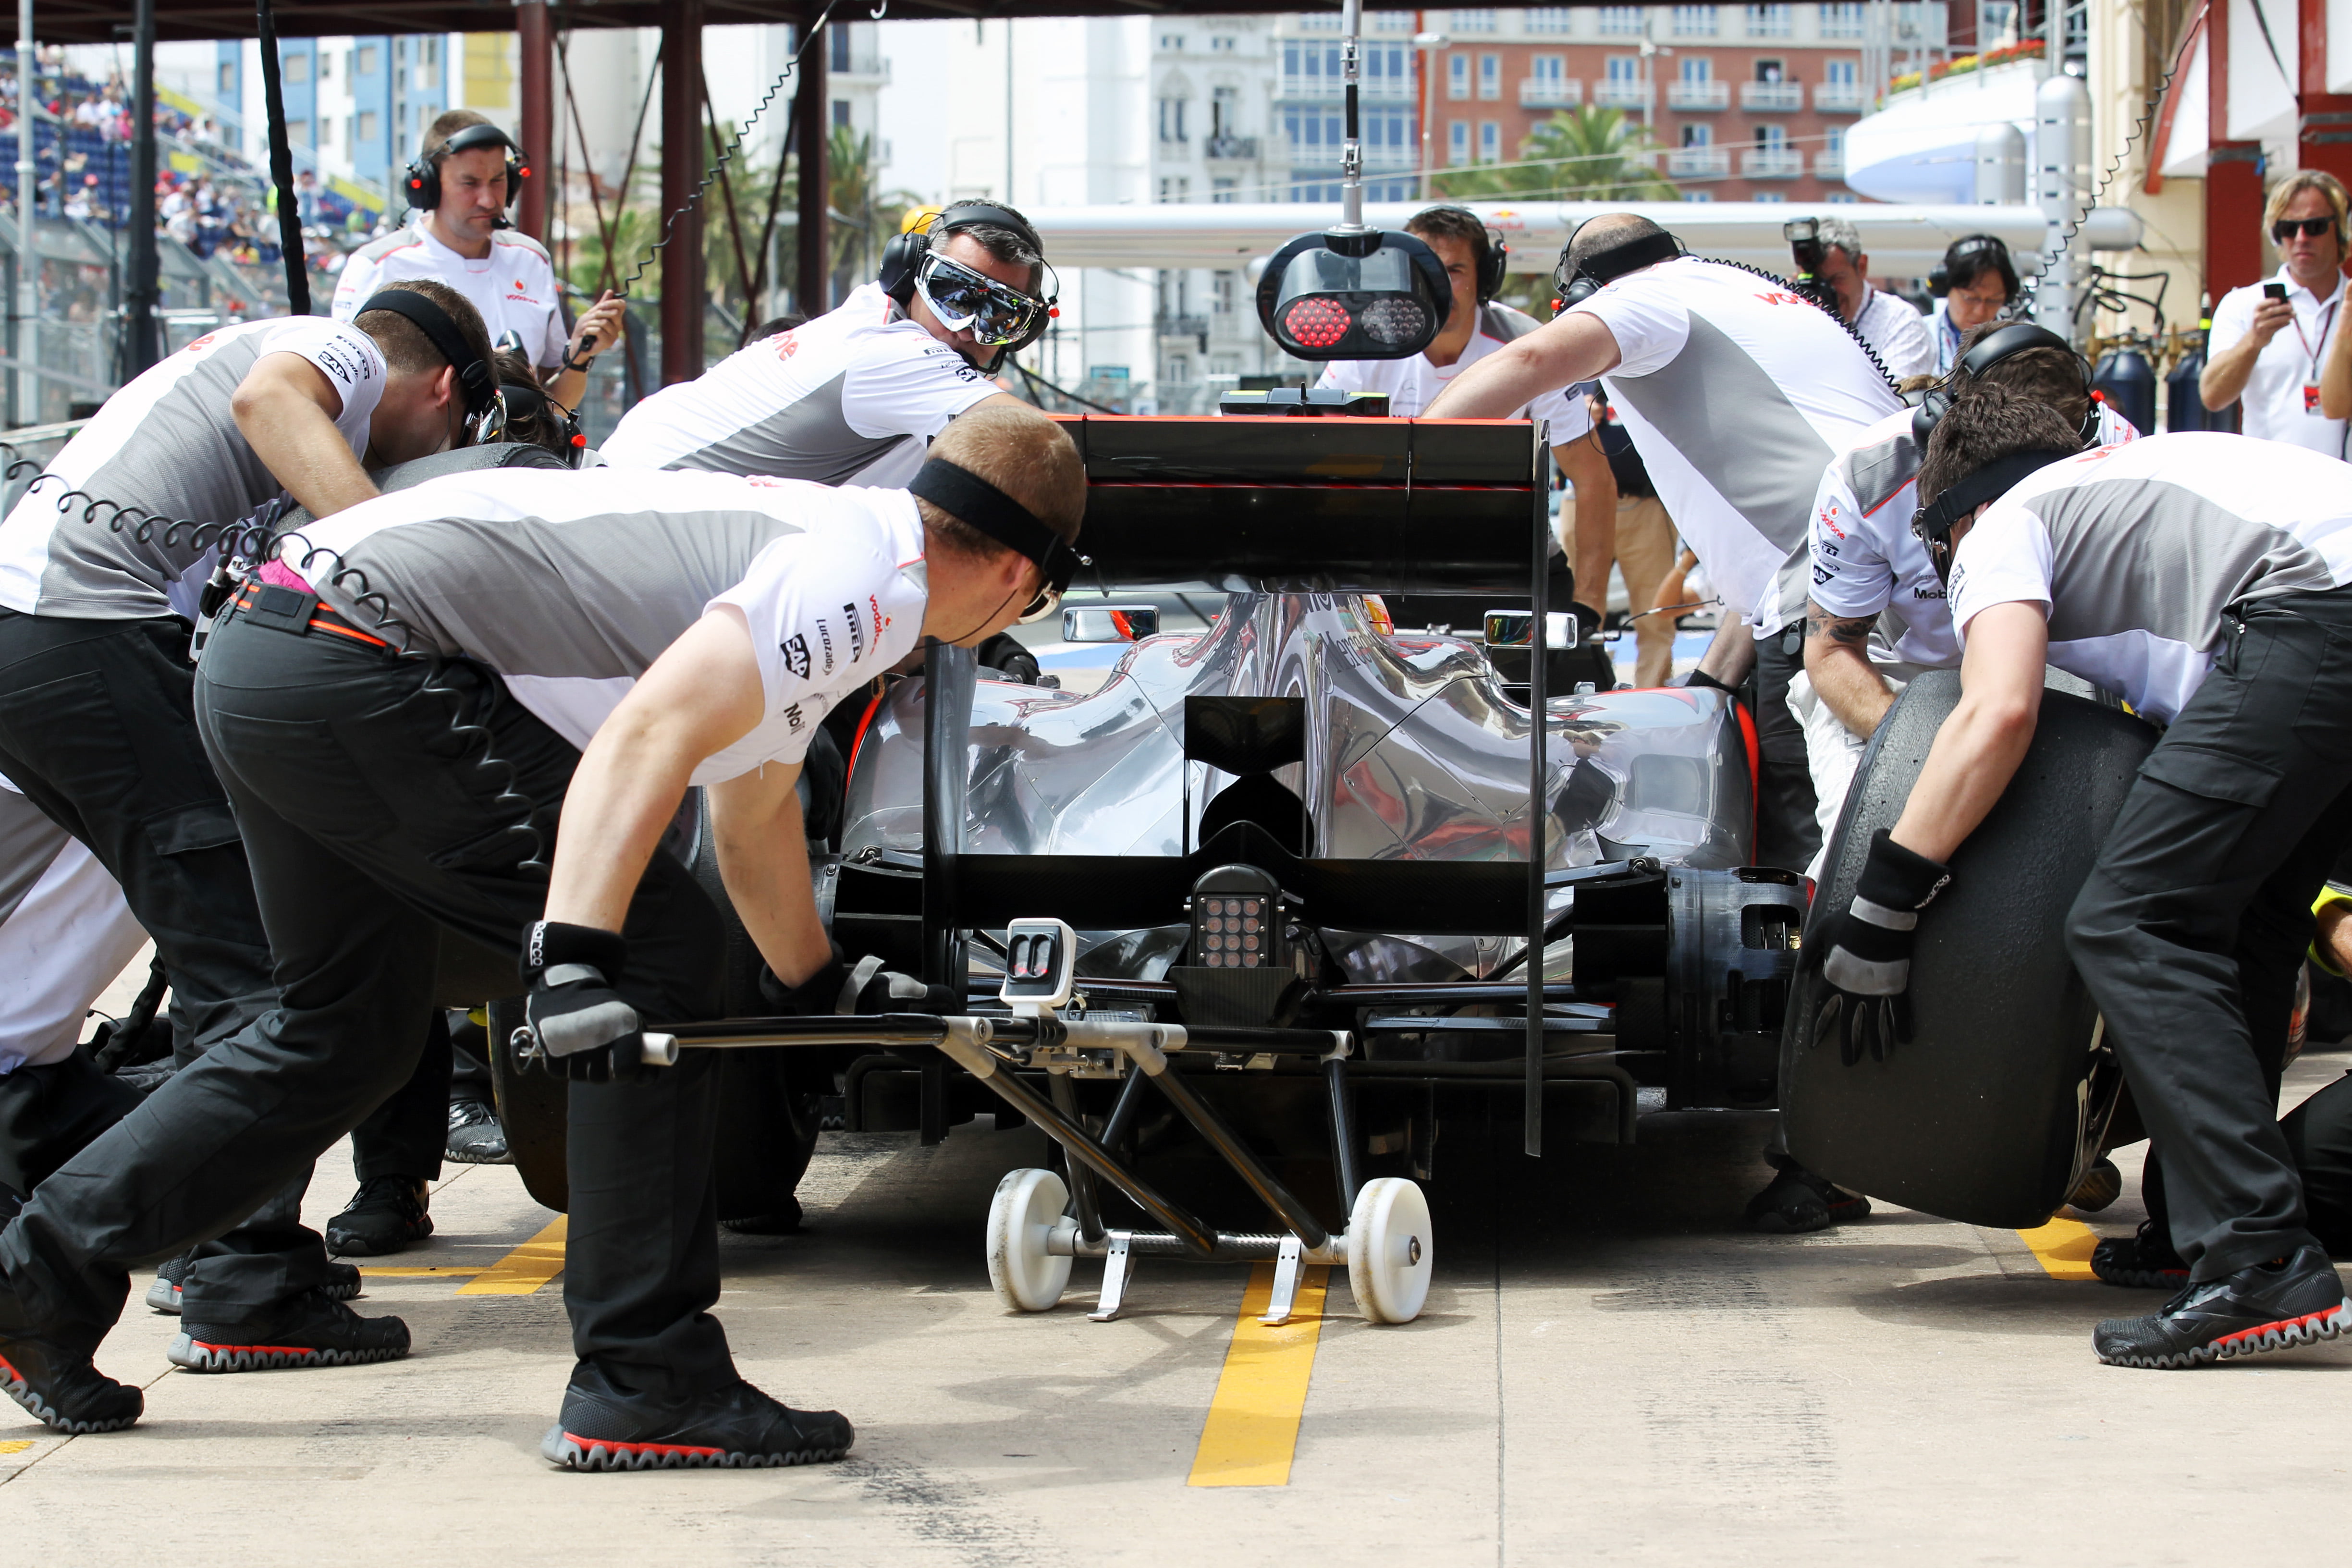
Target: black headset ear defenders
point(477, 383)
point(1494, 256)
point(1577, 284)
point(1987, 245)
point(422, 182)
point(2017, 338)
point(903, 256)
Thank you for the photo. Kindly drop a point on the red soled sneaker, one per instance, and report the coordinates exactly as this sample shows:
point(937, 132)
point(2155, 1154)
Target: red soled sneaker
point(2288, 1302)
point(309, 1331)
point(63, 1390)
point(171, 1278)
point(734, 1428)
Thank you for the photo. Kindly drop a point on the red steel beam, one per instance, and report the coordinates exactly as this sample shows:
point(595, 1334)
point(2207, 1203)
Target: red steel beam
point(537, 130)
point(682, 140)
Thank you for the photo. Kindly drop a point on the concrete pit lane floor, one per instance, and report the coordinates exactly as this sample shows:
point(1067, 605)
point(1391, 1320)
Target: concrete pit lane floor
point(1608, 1370)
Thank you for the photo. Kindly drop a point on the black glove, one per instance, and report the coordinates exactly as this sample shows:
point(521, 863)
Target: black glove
point(864, 987)
point(1702, 679)
point(579, 1027)
point(1588, 623)
point(1867, 959)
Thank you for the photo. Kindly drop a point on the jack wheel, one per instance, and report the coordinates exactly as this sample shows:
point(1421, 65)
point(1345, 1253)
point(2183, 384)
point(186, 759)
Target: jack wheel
point(1025, 1277)
point(1388, 1251)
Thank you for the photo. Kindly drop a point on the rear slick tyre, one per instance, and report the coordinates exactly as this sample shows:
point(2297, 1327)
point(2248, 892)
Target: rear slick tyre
point(1025, 1277)
point(1389, 1250)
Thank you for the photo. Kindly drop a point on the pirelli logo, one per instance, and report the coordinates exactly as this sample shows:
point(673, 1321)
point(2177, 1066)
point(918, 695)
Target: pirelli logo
point(856, 633)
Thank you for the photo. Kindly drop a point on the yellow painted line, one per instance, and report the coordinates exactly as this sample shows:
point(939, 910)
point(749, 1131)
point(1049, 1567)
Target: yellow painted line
point(15, 1444)
point(1253, 1426)
point(404, 1273)
point(2063, 1246)
point(524, 1269)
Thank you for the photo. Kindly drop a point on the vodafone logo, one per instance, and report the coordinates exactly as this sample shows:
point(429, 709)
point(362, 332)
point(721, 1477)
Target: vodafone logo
point(1781, 297)
point(787, 345)
point(204, 342)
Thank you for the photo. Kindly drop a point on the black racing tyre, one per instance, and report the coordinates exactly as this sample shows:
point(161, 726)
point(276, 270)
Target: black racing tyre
point(533, 1108)
point(458, 460)
point(767, 1097)
point(1997, 1103)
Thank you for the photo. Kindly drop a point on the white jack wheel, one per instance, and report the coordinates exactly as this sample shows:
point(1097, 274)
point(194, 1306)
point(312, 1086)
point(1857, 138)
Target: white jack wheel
point(1026, 1277)
point(1388, 1252)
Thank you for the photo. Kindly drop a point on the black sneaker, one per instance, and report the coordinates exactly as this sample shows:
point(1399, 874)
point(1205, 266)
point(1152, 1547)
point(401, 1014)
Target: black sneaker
point(1799, 1201)
point(342, 1282)
point(384, 1215)
point(476, 1138)
point(2274, 1306)
point(53, 1378)
point(309, 1331)
point(2143, 1260)
point(740, 1429)
point(2100, 1185)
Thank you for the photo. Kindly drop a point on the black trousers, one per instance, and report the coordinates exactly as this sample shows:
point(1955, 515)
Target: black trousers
point(2318, 1134)
point(1787, 834)
point(2195, 918)
point(372, 830)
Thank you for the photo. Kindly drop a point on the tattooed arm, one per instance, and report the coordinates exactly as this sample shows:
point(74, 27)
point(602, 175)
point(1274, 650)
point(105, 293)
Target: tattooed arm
point(1837, 657)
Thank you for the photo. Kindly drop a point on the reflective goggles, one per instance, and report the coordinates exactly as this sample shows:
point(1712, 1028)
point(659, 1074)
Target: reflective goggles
point(961, 297)
point(1048, 600)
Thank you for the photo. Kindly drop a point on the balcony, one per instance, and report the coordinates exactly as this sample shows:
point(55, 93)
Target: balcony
point(864, 65)
point(1698, 164)
point(1551, 92)
point(1695, 95)
point(1829, 165)
point(1619, 93)
point(1194, 327)
point(1772, 96)
point(1241, 149)
point(1772, 163)
point(1837, 97)
point(1303, 87)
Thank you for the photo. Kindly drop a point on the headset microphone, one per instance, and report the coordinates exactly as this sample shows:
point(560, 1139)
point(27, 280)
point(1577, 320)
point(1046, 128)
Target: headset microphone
point(421, 182)
point(2017, 338)
point(486, 409)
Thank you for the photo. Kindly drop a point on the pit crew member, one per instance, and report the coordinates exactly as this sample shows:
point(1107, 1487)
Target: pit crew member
point(854, 396)
point(2204, 578)
point(1735, 390)
point(97, 726)
point(466, 176)
point(1874, 616)
point(1476, 326)
point(618, 636)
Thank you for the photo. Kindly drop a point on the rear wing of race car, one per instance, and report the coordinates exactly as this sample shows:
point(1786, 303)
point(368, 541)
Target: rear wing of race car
point(1274, 505)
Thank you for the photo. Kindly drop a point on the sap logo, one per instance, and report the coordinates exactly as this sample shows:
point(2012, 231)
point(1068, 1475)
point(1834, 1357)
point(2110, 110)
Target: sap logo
point(825, 640)
point(796, 655)
point(856, 633)
point(1823, 573)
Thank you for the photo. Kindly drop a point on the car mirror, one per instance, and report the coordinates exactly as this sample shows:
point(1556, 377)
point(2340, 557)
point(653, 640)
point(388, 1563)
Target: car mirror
point(1516, 629)
point(1354, 294)
point(1109, 623)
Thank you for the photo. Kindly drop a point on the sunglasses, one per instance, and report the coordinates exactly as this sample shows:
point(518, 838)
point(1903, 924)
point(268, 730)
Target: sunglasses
point(1048, 600)
point(961, 297)
point(2309, 227)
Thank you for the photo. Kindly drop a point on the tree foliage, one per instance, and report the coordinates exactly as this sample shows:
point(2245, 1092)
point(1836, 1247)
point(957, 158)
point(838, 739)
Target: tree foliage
point(1582, 155)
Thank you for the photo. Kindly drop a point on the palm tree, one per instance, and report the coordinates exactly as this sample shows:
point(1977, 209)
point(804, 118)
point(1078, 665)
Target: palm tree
point(1584, 154)
point(862, 216)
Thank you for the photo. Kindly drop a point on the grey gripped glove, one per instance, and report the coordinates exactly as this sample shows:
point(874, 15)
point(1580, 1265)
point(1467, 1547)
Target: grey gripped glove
point(842, 988)
point(1867, 957)
point(579, 1027)
point(1589, 622)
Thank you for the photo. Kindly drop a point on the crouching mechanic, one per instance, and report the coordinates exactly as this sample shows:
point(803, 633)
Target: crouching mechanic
point(855, 395)
point(1872, 612)
point(681, 629)
point(103, 568)
point(2204, 578)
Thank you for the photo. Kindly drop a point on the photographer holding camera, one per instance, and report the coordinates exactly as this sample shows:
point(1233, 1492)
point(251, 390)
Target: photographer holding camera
point(1834, 269)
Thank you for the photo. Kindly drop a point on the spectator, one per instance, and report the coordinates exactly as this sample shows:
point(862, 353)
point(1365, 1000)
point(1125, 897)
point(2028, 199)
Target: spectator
point(1895, 332)
point(2267, 350)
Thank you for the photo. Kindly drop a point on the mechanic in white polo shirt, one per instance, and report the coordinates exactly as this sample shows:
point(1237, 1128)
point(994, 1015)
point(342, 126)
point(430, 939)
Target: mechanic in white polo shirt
point(856, 395)
point(611, 638)
point(2192, 926)
point(462, 183)
point(1736, 391)
point(1476, 326)
point(2270, 339)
